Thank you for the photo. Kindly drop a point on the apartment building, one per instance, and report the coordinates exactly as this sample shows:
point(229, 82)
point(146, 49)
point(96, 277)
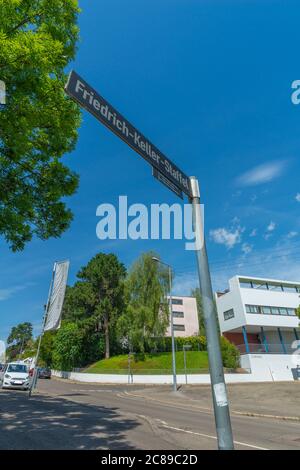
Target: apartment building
point(185, 317)
point(259, 316)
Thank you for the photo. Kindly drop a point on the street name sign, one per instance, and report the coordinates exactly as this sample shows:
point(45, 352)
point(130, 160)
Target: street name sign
point(79, 90)
point(162, 179)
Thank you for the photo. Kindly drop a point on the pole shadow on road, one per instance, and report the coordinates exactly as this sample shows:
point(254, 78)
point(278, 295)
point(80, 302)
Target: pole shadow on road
point(54, 423)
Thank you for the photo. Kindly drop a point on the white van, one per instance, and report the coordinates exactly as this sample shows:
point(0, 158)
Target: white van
point(15, 375)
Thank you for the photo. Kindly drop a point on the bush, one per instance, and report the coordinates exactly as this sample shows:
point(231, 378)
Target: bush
point(67, 347)
point(230, 354)
point(197, 343)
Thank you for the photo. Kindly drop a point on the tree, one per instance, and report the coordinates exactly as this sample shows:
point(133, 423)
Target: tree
point(67, 347)
point(38, 124)
point(97, 300)
point(230, 354)
point(196, 293)
point(147, 316)
point(47, 348)
point(19, 338)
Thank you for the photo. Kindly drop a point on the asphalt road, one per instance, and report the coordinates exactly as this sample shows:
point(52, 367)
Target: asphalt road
point(67, 415)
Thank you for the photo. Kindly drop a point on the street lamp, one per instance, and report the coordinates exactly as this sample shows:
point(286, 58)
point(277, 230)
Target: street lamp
point(172, 322)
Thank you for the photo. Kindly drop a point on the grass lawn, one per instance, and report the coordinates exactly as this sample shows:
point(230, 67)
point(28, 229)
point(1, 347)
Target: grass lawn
point(159, 363)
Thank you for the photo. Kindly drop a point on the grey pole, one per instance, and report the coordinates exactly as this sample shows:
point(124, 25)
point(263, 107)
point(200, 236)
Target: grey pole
point(129, 371)
point(219, 393)
point(35, 372)
point(172, 333)
point(184, 358)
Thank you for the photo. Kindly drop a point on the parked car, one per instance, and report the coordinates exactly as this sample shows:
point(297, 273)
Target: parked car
point(44, 373)
point(15, 375)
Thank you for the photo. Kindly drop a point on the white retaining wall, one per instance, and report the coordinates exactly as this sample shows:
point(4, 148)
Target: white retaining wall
point(260, 373)
point(274, 367)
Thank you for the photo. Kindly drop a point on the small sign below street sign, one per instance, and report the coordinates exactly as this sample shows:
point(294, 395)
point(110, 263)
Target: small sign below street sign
point(160, 177)
point(89, 99)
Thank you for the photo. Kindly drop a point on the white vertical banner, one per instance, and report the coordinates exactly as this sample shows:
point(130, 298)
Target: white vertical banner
point(2, 352)
point(56, 300)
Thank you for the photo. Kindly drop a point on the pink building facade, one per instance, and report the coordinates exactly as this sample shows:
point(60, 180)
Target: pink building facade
point(185, 317)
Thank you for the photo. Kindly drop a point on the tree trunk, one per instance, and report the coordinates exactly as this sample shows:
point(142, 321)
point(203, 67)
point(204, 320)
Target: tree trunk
point(106, 331)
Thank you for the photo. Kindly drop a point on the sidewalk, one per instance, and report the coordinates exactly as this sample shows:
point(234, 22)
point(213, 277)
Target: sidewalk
point(274, 400)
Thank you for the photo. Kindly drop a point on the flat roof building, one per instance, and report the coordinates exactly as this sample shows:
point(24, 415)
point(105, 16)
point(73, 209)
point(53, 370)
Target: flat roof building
point(259, 316)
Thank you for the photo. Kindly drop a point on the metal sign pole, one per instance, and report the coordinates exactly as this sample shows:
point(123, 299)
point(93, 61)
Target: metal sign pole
point(220, 401)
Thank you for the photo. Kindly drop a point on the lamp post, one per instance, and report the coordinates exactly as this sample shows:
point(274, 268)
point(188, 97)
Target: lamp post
point(172, 322)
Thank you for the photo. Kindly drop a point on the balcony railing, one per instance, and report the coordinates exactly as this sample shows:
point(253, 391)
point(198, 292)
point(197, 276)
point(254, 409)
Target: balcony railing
point(272, 348)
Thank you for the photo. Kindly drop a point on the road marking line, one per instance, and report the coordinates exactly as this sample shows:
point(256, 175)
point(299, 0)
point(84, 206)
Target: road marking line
point(212, 437)
point(164, 424)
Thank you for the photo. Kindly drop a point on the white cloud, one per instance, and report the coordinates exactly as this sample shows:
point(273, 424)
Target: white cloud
point(222, 236)
point(262, 174)
point(10, 291)
point(292, 234)
point(271, 227)
point(297, 197)
point(253, 232)
point(235, 220)
point(184, 283)
point(5, 293)
point(246, 248)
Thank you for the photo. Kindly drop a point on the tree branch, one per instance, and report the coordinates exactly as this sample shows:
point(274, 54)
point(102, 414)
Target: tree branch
point(26, 20)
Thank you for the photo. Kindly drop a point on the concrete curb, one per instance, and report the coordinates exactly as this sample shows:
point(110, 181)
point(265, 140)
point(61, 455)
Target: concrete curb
point(241, 413)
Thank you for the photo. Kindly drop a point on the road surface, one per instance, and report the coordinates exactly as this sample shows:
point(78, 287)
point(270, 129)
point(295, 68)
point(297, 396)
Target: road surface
point(68, 415)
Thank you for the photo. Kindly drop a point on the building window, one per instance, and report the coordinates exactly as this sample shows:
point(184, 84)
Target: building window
point(277, 288)
point(292, 289)
point(178, 314)
point(275, 311)
point(266, 310)
point(177, 301)
point(270, 310)
point(260, 285)
point(252, 309)
point(269, 286)
point(179, 327)
point(283, 311)
point(229, 314)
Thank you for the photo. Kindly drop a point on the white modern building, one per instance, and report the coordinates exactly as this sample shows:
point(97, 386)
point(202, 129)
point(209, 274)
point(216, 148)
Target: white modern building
point(185, 317)
point(259, 317)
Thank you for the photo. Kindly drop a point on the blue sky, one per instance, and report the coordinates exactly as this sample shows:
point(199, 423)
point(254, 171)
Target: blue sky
point(209, 82)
